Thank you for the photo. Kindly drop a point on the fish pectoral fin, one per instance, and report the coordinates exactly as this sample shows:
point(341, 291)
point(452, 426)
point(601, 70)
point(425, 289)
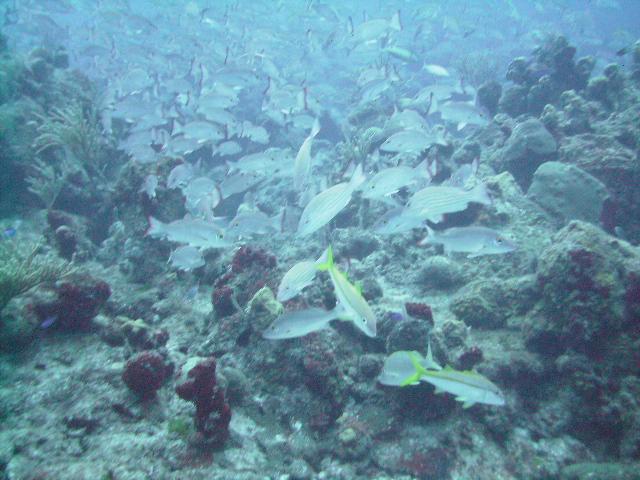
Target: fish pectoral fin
point(466, 403)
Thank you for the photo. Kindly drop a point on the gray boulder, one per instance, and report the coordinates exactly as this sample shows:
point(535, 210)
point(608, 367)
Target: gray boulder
point(567, 193)
point(529, 145)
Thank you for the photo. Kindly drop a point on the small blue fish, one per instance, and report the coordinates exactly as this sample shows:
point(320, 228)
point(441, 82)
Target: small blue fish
point(9, 232)
point(49, 322)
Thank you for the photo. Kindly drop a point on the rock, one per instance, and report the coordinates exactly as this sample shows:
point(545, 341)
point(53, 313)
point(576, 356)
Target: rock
point(478, 305)
point(514, 101)
point(567, 193)
point(529, 145)
point(614, 164)
point(408, 335)
point(586, 277)
point(600, 471)
point(440, 273)
point(491, 303)
point(489, 96)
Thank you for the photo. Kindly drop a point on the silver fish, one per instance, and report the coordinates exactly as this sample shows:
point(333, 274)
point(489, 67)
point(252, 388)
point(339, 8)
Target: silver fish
point(194, 232)
point(390, 180)
point(322, 208)
point(397, 220)
point(297, 279)
point(410, 141)
point(299, 323)
point(475, 241)
point(433, 202)
point(186, 258)
point(238, 183)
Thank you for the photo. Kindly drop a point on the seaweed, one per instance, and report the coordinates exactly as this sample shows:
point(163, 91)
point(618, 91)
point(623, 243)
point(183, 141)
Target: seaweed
point(21, 269)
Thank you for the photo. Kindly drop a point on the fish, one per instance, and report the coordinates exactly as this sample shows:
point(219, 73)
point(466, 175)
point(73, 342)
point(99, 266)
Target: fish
point(180, 176)
point(390, 180)
point(437, 70)
point(375, 29)
point(149, 186)
point(200, 131)
point(475, 241)
point(397, 220)
point(462, 113)
point(406, 119)
point(402, 54)
point(9, 232)
point(299, 323)
point(202, 196)
point(227, 149)
point(410, 141)
point(255, 133)
point(186, 258)
point(194, 232)
point(434, 201)
point(469, 387)
point(272, 161)
point(48, 322)
point(297, 279)
point(323, 208)
point(399, 367)
point(238, 183)
point(302, 162)
point(247, 223)
point(349, 298)
point(463, 174)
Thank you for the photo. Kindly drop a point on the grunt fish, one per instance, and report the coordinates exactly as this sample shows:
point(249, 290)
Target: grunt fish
point(475, 241)
point(322, 208)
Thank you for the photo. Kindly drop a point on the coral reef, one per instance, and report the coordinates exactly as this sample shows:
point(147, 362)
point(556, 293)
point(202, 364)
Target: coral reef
point(79, 299)
point(145, 373)
point(197, 383)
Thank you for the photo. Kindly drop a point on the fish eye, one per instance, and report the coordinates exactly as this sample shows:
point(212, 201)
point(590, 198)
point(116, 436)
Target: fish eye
point(499, 240)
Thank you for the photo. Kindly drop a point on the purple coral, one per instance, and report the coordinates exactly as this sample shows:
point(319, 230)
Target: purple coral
point(145, 373)
point(222, 299)
point(421, 311)
point(198, 384)
point(78, 302)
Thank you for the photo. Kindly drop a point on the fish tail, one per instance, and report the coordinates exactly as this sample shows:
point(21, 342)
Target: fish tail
point(315, 129)
point(357, 178)
point(325, 262)
point(395, 21)
point(156, 227)
point(428, 239)
point(481, 194)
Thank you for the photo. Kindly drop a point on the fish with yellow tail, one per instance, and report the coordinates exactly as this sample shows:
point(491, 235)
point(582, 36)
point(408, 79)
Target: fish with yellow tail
point(409, 368)
point(349, 297)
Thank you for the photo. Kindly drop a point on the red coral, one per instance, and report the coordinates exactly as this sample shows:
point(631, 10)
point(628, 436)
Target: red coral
point(66, 241)
point(421, 311)
point(248, 258)
point(145, 373)
point(431, 464)
point(222, 299)
point(198, 384)
point(78, 302)
point(58, 218)
point(470, 358)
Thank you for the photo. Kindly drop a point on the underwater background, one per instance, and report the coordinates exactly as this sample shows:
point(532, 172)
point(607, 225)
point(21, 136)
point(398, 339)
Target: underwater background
point(300, 239)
